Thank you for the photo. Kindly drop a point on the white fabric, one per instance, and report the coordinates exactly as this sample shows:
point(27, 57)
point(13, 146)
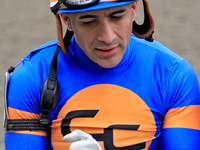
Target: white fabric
point(81, 141)
point(53, 4)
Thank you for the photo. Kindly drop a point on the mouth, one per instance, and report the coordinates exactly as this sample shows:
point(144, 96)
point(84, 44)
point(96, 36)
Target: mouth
point(106, 51)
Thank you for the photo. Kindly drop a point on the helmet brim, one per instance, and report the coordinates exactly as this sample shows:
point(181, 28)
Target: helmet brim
point(101, 5)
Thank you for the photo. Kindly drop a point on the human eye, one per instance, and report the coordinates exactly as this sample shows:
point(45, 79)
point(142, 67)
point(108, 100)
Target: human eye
point(117, 15)
point(116, 18)
point(87, 23)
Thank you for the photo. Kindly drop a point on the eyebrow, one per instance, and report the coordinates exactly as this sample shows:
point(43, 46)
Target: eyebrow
point(88, 16)
point(110, 14)
point(117, 12)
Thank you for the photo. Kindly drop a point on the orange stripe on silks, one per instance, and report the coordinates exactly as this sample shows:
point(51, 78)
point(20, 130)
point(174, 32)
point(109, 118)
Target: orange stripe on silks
point(19, 114)
point(53, 1)
point(183, 117)
point(30, 132)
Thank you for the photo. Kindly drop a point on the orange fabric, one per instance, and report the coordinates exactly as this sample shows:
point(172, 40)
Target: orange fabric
point(18, 114)
point(112, 109)
point(183, 117)
point(53, 1)
point(30, 132)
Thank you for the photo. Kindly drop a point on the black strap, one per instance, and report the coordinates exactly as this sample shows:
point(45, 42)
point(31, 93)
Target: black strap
point(53, 68)
point(25, 124)
point(50, 91)
point(42, 123)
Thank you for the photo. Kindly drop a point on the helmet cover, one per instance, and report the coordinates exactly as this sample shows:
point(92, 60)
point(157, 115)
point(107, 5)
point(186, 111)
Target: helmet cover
point(97, 4)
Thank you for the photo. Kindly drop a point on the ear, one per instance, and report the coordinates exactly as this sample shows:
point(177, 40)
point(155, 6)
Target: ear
point(134, 10)
point(66, 20)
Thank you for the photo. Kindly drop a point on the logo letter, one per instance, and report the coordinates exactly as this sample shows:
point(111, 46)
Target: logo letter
point(65, 129)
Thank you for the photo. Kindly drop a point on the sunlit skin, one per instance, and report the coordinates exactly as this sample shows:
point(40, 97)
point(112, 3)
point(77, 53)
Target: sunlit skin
point(103, 34)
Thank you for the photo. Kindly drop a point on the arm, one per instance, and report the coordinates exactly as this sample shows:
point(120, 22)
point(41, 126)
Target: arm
point(181, 128)
point(22, 102)
point(24, 141)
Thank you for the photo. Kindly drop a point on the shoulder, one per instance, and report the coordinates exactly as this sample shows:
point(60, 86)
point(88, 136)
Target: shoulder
point(27, 79)
point(161, 56)
point(44, 51)
point(34, 67)
point(167, 68)
point(157, 55)
point(153, 49)
point(38, 60)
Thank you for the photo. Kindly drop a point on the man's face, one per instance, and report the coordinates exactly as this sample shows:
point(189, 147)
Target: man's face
point(103, 34)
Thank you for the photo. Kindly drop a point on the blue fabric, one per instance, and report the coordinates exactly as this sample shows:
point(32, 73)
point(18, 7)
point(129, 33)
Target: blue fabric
point(171, 138)
point(158, 79)
point(20, 141)
point(101, 5)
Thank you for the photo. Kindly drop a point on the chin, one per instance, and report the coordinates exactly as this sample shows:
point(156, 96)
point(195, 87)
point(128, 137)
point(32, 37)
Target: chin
point(110, 65)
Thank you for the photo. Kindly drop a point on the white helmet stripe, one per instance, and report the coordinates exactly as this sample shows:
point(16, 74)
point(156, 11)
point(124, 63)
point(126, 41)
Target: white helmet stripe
point(53, 4)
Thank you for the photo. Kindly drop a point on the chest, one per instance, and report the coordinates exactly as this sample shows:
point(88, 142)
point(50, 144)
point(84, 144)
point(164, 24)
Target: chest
point(114, 115)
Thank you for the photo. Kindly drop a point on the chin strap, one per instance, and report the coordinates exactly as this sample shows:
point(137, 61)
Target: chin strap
point(63, 43)
point(145, 30)
point(60, 34)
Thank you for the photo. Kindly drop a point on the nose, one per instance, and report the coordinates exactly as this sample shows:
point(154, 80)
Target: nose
point(106, 33)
